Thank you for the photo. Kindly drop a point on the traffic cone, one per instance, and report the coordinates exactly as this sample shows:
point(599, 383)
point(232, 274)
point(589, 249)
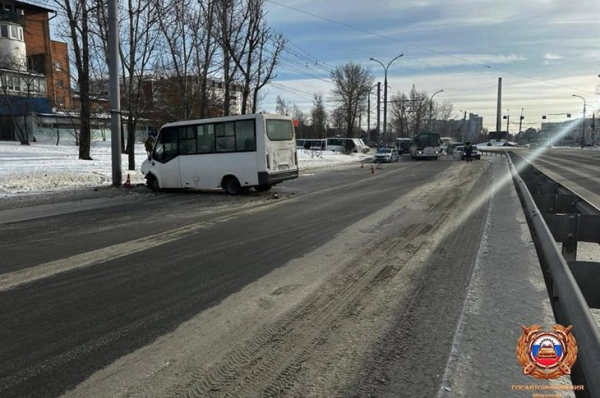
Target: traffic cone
point(127, 182)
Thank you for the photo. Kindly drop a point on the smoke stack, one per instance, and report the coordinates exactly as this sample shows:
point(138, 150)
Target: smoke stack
point(499, 109)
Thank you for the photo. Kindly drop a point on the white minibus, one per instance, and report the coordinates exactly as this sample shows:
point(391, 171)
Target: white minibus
point(233, 153)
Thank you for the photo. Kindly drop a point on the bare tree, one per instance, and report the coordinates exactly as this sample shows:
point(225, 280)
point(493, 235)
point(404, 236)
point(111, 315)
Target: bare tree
point(443, 110)
point(399, 110)
point(319, 116)
point(77, 14)
point(419, 110)
point(139, 34)
point(338, 120)
point(229, 36)
point(177, 69)
point(352, 83)
point(205, 57)
point(282, 107)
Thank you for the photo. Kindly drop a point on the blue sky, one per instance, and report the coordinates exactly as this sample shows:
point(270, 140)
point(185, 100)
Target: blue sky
point(545, 51)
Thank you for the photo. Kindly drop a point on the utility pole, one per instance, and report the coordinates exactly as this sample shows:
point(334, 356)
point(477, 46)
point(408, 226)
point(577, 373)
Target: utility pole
point(378, 112)
point(369, 112)
point(369, 116)
point(499, 107)
point(464, 127)
point(521, 120)
point(582, 140)
point(359, 124)
point(507, 123)
point(115, 97)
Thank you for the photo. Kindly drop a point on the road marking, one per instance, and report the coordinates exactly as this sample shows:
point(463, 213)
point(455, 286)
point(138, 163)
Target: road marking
point(17, 278)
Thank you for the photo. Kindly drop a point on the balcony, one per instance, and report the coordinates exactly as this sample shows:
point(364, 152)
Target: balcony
point(11, 16)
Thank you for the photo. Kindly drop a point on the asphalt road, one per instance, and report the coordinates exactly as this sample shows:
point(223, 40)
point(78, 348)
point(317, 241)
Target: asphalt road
point(97, 282)
point(577, 169)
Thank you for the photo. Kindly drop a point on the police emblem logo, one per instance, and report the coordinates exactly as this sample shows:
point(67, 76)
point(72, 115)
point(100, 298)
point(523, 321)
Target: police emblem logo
point(547, 355)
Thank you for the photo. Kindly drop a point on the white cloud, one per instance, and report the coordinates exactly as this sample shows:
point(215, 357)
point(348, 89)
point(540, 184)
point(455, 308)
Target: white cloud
point(440, 61)
point(550, 56)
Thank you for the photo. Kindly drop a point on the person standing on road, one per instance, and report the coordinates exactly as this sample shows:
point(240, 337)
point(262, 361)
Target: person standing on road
point(468, 151)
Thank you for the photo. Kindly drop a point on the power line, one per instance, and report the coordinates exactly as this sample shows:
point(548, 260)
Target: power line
point(425, 48)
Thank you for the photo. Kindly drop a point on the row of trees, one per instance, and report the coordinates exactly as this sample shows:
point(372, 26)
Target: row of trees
point(172, 52)
point(410, 112)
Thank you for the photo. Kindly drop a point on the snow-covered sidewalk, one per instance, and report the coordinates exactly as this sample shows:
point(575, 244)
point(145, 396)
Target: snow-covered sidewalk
point(41, 167)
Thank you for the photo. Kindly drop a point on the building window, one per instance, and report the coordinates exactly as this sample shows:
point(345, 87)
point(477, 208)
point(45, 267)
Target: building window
point(60, 100)
point(59, 84)
point(3, 31)
point(58, 66)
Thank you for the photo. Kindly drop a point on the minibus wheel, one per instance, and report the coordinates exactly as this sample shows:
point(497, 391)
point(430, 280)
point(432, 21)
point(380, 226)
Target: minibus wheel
point(152, 183)
point(232, 186)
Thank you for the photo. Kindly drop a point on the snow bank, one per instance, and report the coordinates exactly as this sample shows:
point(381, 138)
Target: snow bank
point(43, 167)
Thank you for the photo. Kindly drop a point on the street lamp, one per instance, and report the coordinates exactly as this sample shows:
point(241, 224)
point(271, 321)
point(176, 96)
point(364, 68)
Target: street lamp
point(463, 126)
point(507, 117)
point(431, 109)
point(385, 69)
point(581, 140)
point(369, 111)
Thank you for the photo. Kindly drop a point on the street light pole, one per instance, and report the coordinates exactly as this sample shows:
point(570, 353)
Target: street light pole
point(369, 112)
point(521, 120)
point(431, 109)
point(463, 127)
point(582, 123)
point(115, 102)
point(385, 69)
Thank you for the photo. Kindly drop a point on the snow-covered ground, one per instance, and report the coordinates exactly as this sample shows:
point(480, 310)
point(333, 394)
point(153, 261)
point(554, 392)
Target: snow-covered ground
point(43, 167)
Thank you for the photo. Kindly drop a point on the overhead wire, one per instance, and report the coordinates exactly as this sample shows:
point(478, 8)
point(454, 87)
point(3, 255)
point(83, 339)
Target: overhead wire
point(349, 26)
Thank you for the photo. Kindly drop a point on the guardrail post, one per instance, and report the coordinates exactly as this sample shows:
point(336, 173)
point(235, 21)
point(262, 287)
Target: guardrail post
point(569, 248)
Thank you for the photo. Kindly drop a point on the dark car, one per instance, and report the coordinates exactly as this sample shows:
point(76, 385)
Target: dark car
point(475, 154)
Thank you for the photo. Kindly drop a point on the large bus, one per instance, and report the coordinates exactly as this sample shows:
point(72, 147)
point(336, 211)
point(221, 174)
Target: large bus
point(341, 144)
point(426, 145)
point(233, 153)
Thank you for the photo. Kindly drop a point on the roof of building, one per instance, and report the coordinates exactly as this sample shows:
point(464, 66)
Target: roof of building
point(31, 6)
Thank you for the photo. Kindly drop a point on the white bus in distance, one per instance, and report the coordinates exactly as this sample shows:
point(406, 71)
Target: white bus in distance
point(233, 153)
point(341, 144)
point(426, 145)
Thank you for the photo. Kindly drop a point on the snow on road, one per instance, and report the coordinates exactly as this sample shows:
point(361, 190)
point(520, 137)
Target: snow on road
point(43, 167)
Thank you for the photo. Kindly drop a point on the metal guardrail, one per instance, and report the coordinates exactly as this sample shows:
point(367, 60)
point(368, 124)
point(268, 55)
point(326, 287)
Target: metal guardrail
point(491, 152)
point(555, 214)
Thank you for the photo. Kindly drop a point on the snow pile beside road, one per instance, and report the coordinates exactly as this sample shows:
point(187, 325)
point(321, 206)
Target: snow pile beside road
point(47, 167)
point(43, 167)
point(310, 160)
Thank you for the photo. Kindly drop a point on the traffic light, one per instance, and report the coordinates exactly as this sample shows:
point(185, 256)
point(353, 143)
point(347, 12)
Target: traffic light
point(544, 117)
point(568, 115)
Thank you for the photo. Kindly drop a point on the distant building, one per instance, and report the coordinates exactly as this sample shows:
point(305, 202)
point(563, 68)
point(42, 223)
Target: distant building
point(34, 70)
point(569, 132)
point(470, 128)
point(473, 127)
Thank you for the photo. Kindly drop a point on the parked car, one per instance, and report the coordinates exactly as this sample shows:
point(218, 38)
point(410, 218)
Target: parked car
point(386, 155)
point(475, 154)
point(458, 152)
